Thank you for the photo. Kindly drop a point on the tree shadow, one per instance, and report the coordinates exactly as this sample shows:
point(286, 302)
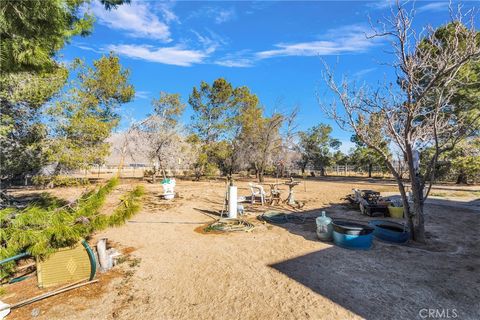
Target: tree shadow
point(41, 200)
point(394, 281)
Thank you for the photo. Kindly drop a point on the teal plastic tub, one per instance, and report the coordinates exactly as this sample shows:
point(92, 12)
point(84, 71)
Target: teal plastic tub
point(352, 235)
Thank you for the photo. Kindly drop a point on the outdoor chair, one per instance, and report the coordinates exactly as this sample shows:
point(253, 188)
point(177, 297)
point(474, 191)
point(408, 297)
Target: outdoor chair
point(257, 192)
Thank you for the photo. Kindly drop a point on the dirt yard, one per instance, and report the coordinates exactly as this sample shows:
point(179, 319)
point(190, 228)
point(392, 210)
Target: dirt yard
point(173, 271)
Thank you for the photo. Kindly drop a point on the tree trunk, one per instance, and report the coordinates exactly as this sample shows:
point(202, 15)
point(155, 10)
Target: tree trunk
point(403, 194)
point(260, 176)
point(154, 174)
point(418, 230)
point(161, 168)
point(418, 218)
point(462, 178)
point(322, 171)
point(370, 166)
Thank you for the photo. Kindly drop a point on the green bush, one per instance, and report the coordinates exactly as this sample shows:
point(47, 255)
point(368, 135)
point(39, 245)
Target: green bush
point(211, 170)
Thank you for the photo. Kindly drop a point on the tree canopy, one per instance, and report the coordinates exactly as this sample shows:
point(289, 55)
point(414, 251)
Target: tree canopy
point(85, 115)
point(315, 145)
point(33, 31)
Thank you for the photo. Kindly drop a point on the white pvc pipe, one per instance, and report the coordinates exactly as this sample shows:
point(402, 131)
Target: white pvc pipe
point(232, 202)
point(102, 253)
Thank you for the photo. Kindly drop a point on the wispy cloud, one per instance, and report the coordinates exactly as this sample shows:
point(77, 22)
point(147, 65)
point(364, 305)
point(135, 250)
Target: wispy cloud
point(176, 55)
point(347, 39)
point(142, 94)
point(363, 72)
point(237, 63)
point(219, 15)
point(138, 19)
point(186, 53)
point(86, 48)
point(255, 6)
point(343, 40)
point(239, 59)
point(381, 4)
point(166, 9)
point(224, 15)
point(210, 41)
point(433, 7)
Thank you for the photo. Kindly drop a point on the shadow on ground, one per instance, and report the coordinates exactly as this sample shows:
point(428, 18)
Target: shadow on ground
point(393, 281)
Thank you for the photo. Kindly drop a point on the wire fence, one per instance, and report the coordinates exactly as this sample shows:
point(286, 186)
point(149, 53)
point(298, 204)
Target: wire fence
point(140, 171)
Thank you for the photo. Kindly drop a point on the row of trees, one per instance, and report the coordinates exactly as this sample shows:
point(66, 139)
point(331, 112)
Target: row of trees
point(230, 133)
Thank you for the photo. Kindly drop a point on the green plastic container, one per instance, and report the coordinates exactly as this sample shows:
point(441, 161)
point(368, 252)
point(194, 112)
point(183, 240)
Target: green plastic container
point(324, 227)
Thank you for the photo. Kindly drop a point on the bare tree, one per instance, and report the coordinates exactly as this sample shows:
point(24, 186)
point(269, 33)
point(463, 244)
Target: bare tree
point(162, 142)
point(417, 111)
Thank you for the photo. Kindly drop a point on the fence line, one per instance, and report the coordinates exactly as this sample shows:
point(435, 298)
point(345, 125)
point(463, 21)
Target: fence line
point(138, 171)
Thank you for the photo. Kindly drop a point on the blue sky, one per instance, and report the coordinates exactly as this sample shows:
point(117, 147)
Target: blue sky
point(274, 48)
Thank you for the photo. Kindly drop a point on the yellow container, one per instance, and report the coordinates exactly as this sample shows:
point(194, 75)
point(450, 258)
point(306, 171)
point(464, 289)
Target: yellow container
point(395, 212)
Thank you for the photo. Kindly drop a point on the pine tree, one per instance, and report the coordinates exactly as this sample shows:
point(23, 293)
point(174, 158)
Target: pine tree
point(47, 225)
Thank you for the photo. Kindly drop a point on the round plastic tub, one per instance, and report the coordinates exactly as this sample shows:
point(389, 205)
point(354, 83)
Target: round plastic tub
point(352, 235)
point(390, 231)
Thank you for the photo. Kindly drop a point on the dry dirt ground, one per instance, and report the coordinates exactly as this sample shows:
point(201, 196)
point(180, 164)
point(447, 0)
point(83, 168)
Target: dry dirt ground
point(173, 271)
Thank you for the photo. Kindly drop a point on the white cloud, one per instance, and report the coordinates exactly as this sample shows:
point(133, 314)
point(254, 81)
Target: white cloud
point(138, 19)
point(224, 15)
point(381, 4)
point(87, 48)
point(211, 42)
point(142, 94)
point(166, 10)
point(240, 59)
point(363, 72)
point(433, 7)
point(348, 39)
point(219, 15)
point(176, 55)
point(343, 40)
point(238, 63)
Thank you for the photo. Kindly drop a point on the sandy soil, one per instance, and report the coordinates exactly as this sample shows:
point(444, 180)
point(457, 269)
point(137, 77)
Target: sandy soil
point(275, 271)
